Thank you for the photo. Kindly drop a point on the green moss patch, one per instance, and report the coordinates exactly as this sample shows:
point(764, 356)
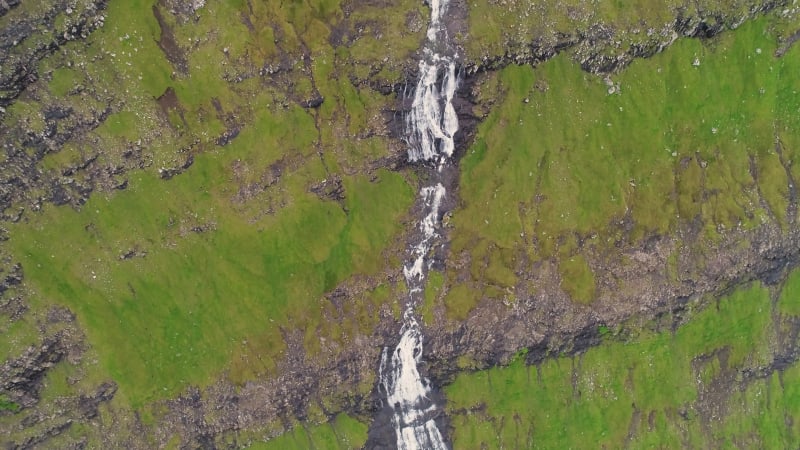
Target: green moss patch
point(577, 279)
point(460, 300)
point(342, 433)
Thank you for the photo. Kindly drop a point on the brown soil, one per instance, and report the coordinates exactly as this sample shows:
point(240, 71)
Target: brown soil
point(169, 46)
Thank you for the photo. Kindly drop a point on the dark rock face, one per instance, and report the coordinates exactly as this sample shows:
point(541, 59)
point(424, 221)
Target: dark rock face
point(546, 323)
point(167, 173)
point(314, 102)
point(332, 189)
point(21, 377)
point(7, 6)
point(29, 35)
point(24, 42)
point(24, 150)
point(88, 404)
point(34, 441)
point(227, 137)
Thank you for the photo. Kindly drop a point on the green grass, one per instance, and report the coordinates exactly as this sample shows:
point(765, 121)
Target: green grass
point(460, 300)
point(122, 124)
point(433, 289)
point(125, 53)
point(646, 391)
point(789, 301)
point(578, 279)
point(197, 304)
point(202, 305)
point(342, 433)
point(17, 336)
point(132, 37)
point(8, 405)
point(63, 80)
point(666, 107)
point(560, 159)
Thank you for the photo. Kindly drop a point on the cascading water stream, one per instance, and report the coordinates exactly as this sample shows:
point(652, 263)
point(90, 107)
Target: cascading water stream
point(432, 122)
point(431, 125)
point(406, 390)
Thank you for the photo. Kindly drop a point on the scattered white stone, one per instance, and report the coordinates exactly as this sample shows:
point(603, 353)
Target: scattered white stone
point(696, 62)
point(758, 51)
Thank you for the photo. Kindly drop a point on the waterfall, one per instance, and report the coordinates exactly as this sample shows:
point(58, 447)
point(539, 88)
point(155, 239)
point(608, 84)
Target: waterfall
point(407, 393)
point(432, 122)
point(431, 125)
point(406, 390)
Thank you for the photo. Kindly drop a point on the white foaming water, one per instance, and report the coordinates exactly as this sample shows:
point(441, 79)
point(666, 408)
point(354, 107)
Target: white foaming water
point(432, 196)
point(407, 393)
point(406, 390)
point(438, 8)
point(431, 125)
point(432, 122)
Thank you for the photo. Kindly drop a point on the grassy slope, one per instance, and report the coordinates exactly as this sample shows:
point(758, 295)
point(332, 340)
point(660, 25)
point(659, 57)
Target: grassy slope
point(643, 390)
point(561, 160)
point(191, 307)
point(177, 315)
point(674, 146)
point(646, 390)
point(200, 304)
